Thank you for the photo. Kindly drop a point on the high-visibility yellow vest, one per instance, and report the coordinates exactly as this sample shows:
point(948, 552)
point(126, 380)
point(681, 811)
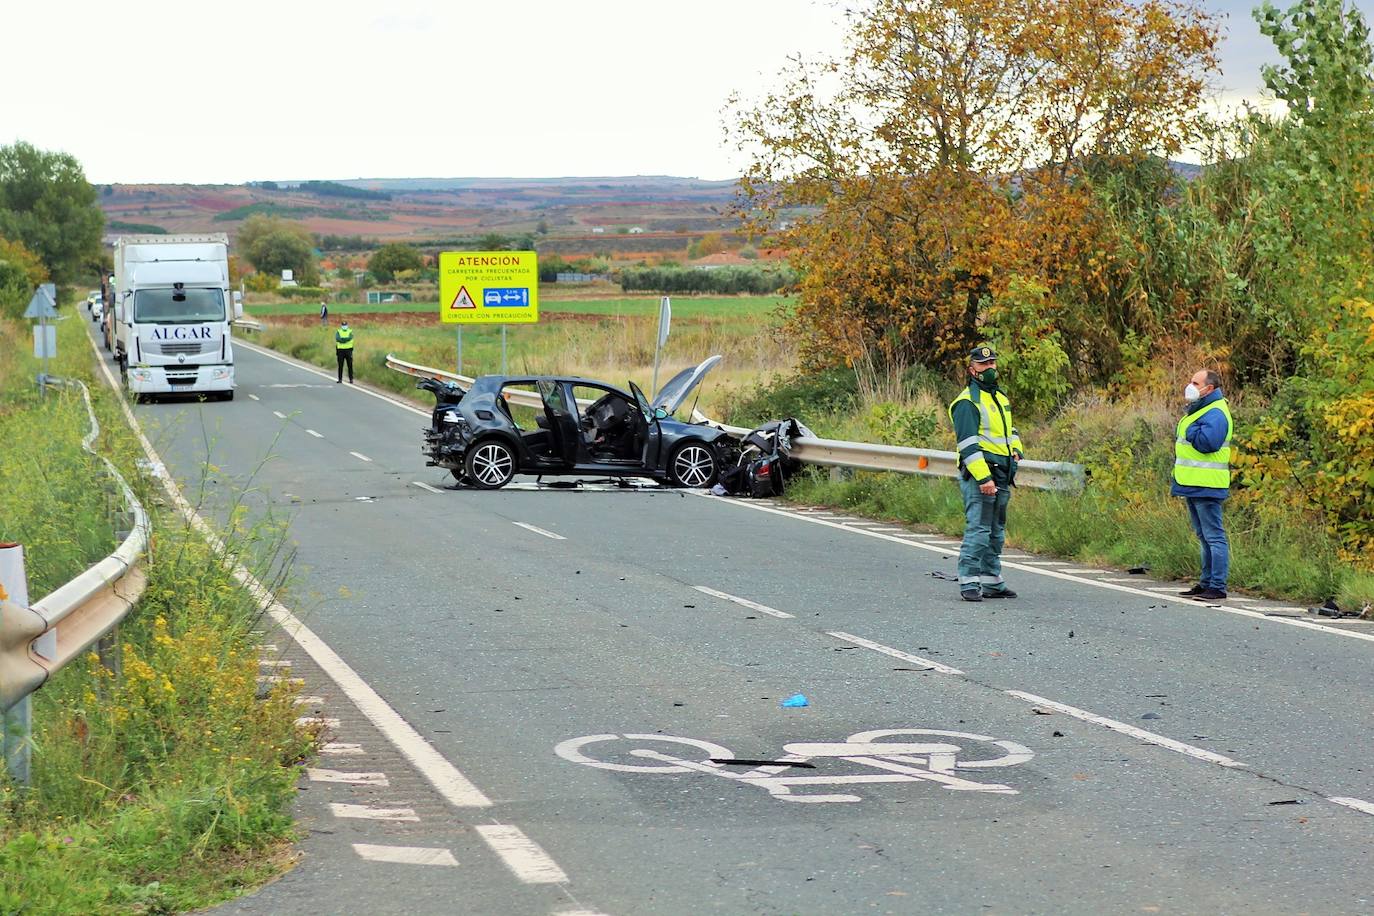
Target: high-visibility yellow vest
point(996, 434)
point(1203, 469)
point(343, 339)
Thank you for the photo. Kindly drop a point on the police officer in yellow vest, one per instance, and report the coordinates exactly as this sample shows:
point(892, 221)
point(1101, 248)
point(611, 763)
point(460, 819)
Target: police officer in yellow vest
point(343, 351)
point(1202, 476)
point(989, 449)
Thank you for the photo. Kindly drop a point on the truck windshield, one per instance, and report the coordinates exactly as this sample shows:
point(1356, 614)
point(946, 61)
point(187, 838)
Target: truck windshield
point(185, 306)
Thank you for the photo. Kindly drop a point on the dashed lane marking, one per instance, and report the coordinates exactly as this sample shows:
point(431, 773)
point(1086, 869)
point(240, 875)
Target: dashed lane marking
point(315, 434)
point(255, 397)
point(425, 486)
point(279, 415)
point(522, 856)
point(1123, 728)
point(316, 774)
point(360, 456)
point(405, 855)
point(309, 701)
point(744, 602)
point(895, 653)
point(342, 749)
point(317, 721)
point(367, 812)
point(1355, 803)
point(304, 367)
point(540, 531)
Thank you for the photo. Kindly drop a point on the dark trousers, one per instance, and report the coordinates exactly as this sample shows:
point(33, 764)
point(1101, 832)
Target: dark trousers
point(345, 356)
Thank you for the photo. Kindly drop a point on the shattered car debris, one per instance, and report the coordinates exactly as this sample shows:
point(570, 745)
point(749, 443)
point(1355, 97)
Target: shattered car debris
point(582, 427)
point(764, 462)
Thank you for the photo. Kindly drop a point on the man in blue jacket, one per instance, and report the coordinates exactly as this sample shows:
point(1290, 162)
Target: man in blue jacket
point(1202, 476)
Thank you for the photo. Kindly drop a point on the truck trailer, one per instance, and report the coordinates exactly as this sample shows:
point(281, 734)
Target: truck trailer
point(172, 315)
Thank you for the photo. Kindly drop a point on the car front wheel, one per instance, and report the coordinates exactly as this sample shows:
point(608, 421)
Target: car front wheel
point(693, 464)
point(490, 464)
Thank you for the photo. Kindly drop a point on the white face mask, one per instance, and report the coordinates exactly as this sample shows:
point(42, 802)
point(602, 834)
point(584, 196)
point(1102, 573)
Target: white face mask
point(1191, 393)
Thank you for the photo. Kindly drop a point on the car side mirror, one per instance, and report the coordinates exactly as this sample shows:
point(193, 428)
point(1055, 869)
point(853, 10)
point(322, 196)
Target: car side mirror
point(660, 413)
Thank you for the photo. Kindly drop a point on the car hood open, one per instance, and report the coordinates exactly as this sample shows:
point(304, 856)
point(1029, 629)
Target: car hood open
point(675, 391)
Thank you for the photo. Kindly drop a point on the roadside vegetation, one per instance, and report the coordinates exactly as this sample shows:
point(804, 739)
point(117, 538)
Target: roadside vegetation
point(989, 173)
point(167, 785)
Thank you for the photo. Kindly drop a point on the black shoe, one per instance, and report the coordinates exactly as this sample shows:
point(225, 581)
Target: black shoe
point(1002, 592)
point(1210, 594)
point(1192, 592)
point(971, 594)
point(338, 381)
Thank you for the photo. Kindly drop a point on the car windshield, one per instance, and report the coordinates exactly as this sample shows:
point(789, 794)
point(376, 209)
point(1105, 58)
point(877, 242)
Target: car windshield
point(172, 306)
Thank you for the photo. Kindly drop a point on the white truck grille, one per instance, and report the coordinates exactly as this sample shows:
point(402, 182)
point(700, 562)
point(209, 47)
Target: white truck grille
point(186, 348)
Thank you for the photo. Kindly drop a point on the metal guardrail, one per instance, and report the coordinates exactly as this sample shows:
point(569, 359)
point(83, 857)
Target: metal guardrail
point(1036, 475)
point(246, 324)
point(37, 640)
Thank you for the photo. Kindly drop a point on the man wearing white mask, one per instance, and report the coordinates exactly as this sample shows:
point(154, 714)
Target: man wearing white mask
point(1202, 476)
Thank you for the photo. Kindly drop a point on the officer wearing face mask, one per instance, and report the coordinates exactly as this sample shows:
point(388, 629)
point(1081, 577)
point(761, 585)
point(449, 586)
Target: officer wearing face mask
point(989, 449)
point(1202, 476)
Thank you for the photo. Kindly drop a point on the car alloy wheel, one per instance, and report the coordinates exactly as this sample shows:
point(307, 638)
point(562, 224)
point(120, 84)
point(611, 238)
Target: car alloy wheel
point(490, 465)
point(693, 465)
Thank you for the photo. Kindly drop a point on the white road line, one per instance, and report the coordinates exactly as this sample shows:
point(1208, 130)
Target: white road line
point(1357, 804)
point(315, 434)
point(405, 855)
point(337, 749)
point(309, 701)
point(255, 397)
point(367, 812)
point(1131, 730)
point(522, 855)
point(313, 370)
point(267, 647)
point(1051, 573)
point(278, 679)
point(360, 456)
point(425, 486)
point(322, 721)
point(443, 775)
point(887, 529)
point(279, 415)
point(315, 774)
point(744, 602)
point(895, 653)
point(1047, 563)
point(1082, 572)
point(547, 534)
point(274, 662)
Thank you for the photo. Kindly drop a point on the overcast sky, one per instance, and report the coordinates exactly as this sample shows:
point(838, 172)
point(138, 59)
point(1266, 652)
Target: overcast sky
point(186, 91)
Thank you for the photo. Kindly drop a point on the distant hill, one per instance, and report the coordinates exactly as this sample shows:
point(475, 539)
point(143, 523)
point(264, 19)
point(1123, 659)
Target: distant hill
point(582, 213)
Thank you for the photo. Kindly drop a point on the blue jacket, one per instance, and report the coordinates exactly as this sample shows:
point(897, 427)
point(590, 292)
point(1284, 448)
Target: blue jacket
point(1206, 434)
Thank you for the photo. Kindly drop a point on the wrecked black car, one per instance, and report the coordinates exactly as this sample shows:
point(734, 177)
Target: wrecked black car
point(559, 425)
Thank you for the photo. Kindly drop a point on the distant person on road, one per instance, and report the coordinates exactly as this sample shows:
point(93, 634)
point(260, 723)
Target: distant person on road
point(989, 450)
point(343, 351)
point(324, 313)
point(1202, 476)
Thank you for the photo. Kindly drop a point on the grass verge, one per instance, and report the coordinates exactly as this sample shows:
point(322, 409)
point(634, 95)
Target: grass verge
point(167, 786)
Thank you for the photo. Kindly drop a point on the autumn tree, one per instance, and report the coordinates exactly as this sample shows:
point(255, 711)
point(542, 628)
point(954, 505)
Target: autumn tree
point(947, 147)
point(273, 244)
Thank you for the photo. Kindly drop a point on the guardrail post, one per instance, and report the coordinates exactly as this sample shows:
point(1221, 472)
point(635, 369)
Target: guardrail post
point(18, 719)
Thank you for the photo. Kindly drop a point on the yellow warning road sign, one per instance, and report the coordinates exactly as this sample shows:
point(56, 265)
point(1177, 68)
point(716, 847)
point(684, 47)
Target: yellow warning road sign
point(488, 287)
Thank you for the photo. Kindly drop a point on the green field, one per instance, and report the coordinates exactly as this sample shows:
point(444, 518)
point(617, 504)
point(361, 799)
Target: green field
point(683, 307)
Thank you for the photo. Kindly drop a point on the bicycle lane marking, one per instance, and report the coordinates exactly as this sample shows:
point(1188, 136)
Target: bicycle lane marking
point(1039, 571)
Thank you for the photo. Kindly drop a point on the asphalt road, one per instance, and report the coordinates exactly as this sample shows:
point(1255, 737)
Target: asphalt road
point(1156, 755)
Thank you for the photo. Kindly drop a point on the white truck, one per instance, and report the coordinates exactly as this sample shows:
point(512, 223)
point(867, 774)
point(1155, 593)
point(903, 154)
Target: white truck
point(172, 313)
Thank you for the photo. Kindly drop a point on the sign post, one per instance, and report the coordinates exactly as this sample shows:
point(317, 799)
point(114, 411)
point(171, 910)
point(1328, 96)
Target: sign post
point(488, 287)
point(43, 305)
point(17, 721)
point(665, 318)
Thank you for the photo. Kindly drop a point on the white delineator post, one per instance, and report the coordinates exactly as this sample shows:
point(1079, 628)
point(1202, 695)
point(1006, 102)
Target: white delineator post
point(18, 719)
